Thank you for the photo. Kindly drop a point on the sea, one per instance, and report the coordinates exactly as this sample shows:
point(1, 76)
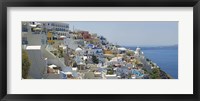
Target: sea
point(165, 57)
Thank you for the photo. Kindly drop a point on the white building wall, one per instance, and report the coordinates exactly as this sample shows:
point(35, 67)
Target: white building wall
point(35, 39)
point(38, 64)
point(52, 59)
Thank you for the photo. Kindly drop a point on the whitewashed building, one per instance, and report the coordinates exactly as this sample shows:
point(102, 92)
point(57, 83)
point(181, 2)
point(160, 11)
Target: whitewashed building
point(38, 64)
point(59, 28)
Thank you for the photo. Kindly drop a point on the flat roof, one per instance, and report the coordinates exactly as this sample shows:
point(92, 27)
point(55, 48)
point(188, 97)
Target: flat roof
point(33, 47)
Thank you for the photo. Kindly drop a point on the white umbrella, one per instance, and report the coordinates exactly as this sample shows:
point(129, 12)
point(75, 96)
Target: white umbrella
point(33, 25)
point(68, 73)
point(122, 48)
point(62, 36)
point(51, 66)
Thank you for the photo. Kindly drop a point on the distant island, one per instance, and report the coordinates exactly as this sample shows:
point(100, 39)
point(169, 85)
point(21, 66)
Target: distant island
point(155, 47)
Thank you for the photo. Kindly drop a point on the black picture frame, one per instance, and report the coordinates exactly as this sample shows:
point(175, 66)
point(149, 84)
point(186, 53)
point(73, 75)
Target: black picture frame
point(99, 3)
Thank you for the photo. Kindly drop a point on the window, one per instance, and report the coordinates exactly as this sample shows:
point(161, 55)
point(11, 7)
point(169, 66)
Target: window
point(24, 29)
point(48, 38)
point(42, 41)
point(54, 38)
point(24, 41)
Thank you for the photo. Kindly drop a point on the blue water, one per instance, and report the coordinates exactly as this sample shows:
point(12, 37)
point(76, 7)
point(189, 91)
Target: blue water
point(165, 58)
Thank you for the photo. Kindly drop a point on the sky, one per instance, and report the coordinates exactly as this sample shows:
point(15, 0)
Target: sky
point(132, 33)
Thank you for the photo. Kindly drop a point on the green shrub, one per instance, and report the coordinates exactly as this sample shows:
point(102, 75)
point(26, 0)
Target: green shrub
point(155, 73)
point(25, 64)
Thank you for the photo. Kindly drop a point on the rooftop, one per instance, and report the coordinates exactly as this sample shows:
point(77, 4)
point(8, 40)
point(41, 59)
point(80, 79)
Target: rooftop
point(33, 47)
